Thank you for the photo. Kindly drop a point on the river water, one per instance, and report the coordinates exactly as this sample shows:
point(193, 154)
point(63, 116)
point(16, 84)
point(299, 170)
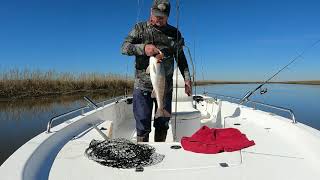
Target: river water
point(302, 99)
point(22, 120)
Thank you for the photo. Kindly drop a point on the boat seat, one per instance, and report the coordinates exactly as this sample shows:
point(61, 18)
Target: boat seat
point(185, 108)
point(187, 117)
point(185, 111)
point(182, 96)
point(235, 115)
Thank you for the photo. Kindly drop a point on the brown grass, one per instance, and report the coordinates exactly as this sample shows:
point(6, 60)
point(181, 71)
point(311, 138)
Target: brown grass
point(314, 82)
point(15, 84)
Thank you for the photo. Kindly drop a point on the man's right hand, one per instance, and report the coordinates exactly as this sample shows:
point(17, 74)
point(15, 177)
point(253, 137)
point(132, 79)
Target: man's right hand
point(151, 50)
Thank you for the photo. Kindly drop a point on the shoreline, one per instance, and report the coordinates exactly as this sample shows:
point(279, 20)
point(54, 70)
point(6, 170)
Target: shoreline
point(71, 94)
point(26, 84)
point(203, 83)
point(42, 90)
point(115, 89)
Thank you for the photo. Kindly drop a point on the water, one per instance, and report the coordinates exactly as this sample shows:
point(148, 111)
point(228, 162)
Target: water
point(304, 100)
point(22, 120)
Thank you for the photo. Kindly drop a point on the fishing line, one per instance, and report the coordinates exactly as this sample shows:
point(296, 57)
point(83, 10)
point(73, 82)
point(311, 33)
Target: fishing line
point(195, 67)
point(177, 59)
point(126, 83)
point(137, 20)
point(204, 89)
point(250, 93)
point(140, 6)
point(194, 56)
point(294, 59)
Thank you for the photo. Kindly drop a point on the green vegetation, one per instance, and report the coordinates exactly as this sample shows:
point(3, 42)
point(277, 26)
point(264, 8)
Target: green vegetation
point(15, 84)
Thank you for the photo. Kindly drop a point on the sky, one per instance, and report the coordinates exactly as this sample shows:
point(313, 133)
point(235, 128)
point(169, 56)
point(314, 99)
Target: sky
point(241, 40)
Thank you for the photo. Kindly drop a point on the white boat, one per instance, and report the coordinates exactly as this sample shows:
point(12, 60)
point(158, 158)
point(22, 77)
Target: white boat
point(284, 148)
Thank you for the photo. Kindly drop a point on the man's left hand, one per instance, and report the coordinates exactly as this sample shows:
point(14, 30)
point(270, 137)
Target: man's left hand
point(188, 87)
point(159, 57)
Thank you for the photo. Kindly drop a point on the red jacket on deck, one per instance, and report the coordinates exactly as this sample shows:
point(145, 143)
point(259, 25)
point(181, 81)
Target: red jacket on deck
point(211, 141)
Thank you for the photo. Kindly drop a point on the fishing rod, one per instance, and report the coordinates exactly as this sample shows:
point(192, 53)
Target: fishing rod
point(193, 69)
point(177, 59)
point(250, 93)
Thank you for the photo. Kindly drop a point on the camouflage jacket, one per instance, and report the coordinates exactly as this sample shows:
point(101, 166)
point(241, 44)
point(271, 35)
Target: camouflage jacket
point(165, 39)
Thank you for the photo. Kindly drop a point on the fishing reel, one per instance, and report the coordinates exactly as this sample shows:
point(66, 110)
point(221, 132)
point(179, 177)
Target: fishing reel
point(246, 97)
point(263, 91)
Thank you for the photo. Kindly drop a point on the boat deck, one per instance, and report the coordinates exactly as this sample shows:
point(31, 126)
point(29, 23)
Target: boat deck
point(71, 163)
point(283, 150)
point(276, 155)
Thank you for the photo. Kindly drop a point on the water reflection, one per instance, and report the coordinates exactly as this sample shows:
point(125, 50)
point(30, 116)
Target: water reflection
point(21, 120)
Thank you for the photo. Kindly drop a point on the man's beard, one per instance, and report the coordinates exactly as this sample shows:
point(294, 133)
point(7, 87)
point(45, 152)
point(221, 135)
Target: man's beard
point(157, 26)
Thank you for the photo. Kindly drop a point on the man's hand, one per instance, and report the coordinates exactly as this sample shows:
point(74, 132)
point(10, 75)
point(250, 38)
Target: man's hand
point(159, 57)
point(151, 50)
point(188, 87)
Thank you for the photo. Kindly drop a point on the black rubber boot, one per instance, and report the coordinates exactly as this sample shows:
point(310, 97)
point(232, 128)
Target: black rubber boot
point(160, 135)
point(143, 138)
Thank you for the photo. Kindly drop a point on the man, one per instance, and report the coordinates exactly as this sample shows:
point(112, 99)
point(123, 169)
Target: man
point(149, 39)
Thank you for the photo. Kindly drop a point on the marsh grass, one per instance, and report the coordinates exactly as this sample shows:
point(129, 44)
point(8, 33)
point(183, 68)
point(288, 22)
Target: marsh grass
point(314, 82)
point(15, 83)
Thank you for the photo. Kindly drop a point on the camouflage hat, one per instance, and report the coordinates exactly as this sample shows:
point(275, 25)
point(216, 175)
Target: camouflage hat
point(161, 8)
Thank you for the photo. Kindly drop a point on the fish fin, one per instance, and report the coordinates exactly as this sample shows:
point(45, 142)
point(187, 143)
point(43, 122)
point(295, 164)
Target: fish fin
point(162, 113)
point(153, 94)
point(159, 113)
point(166, 113)
point(148, 70)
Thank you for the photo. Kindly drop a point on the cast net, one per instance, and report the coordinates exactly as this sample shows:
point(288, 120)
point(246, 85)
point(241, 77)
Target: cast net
point(122, 153)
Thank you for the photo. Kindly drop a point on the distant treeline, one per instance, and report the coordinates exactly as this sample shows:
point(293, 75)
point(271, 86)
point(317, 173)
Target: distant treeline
point(15, 84)
point(302, 82)
point(207, 82)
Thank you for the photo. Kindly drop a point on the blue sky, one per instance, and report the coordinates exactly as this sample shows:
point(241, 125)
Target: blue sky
point(233, 39)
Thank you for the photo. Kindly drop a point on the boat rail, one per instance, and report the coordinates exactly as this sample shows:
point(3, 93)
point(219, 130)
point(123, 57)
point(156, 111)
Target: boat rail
point(82, 109)
point(91, 103)
point(259, 103)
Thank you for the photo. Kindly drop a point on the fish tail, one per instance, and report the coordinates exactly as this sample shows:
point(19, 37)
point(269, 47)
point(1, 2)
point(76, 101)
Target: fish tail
point(162, 113)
